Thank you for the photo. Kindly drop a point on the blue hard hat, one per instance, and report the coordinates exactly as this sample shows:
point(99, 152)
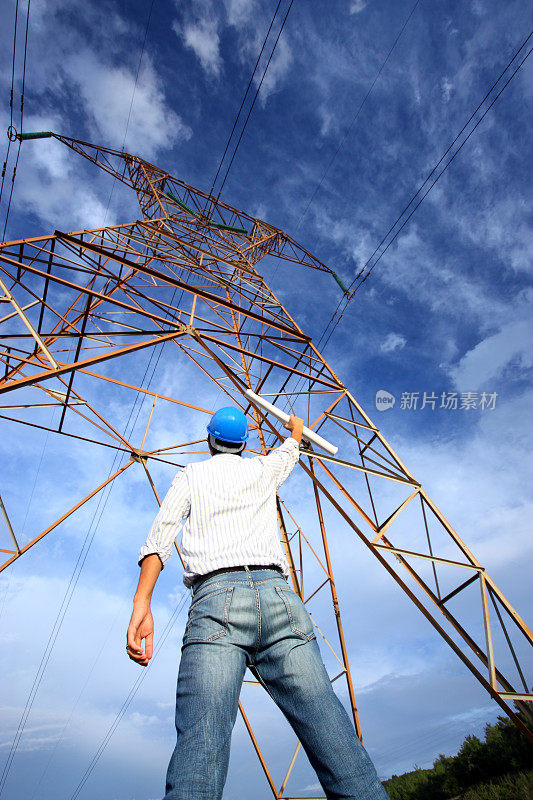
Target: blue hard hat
point(229, 425)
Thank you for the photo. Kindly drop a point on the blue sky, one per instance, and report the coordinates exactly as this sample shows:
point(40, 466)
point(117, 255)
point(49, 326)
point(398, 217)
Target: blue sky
point(447, 309)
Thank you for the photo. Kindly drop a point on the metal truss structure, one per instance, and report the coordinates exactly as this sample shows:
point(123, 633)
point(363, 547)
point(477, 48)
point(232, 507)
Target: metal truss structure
point(187, 274)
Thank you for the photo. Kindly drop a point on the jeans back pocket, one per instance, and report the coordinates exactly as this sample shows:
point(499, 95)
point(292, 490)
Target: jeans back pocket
point(208, 617)
point(299, 619)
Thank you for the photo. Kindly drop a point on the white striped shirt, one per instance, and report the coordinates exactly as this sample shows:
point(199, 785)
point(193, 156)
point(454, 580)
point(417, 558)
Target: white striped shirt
point(229, 506)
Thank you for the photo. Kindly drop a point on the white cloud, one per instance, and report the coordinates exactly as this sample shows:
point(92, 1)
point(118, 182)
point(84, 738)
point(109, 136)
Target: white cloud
point(105, 20)
point(51, 182)
point(488, 359)
point(201, 27)
point(101, 76)
point(329, 121)
point(501, 225)
point(357, 6)
point(411, 266)
point(239, 11)
point(49, 186)
point(446, 87)
point(278, 68)
point(251, 29)
point(199, 33)
point(143, 720)
point(393, 341)
point(107, 93)
point(488, 462)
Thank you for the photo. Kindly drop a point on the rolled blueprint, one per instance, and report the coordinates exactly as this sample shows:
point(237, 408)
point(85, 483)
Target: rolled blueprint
point(283, 417)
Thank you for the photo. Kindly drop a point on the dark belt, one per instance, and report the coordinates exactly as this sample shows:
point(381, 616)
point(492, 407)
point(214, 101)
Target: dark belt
point(208, 575)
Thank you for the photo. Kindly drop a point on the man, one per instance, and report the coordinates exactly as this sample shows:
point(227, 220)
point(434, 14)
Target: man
point(243, 614)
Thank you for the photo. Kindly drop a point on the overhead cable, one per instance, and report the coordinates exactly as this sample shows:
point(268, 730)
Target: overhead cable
point(439, 162)
point(369, 265)
point(244, 98)
point(129, 697)
point(75, 576)
point(65, 603)
point(138, 71)
point(352, 123)
point(88, 539)
point(253, 101)
point(21, 113)
point(102, 501)
point(4, 167)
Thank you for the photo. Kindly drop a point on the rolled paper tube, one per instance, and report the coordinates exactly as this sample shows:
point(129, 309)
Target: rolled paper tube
point(283, 417)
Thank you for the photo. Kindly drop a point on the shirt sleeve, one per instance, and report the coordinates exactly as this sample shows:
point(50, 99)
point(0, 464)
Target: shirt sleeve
point(174, 510)
point(283, 459)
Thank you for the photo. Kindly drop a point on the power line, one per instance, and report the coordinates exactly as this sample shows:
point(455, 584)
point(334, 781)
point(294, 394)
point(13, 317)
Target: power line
point(24, 65)
point(444, 156)
point(56, 628)
point(78, 568)
point(4, 167)
point(129, 697)
point(138, 71)
point(11, 190)
point(255, 98)
point(361, 275)
point(94, 662)
point(60, 617)
point(21, 112)
point(73, 582)
point(131, 429)
point(244, 98)
point(13, 65)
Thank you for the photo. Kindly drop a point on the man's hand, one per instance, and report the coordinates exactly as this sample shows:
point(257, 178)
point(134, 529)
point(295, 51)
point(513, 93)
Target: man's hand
point(141, 627)
point(295, 426)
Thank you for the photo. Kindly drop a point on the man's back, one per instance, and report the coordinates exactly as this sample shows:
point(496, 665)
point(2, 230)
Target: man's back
point(232, 517)
point(229, 507)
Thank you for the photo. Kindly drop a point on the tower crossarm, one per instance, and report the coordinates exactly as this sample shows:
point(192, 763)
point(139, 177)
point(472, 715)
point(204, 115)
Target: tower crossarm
point(170, 201)
point(112, 161)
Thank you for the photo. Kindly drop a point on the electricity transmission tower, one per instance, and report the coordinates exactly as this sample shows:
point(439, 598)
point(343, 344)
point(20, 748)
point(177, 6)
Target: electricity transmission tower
point(187, 274)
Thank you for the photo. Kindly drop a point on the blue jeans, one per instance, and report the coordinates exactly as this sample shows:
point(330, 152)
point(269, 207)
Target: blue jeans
point(254, 619)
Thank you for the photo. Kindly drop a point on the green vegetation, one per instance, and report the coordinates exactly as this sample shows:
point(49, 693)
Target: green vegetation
point(509, 787)
point(493, 769)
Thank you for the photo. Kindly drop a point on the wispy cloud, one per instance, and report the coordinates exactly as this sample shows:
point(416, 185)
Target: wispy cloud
point(277, 70)
point(239, 12)
point(356, 6)
point(392, 342)
point(107, 93)
point(487, 361)
point(199, 31)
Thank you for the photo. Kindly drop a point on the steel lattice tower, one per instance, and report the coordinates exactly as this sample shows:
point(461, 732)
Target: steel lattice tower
point(187, 273)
